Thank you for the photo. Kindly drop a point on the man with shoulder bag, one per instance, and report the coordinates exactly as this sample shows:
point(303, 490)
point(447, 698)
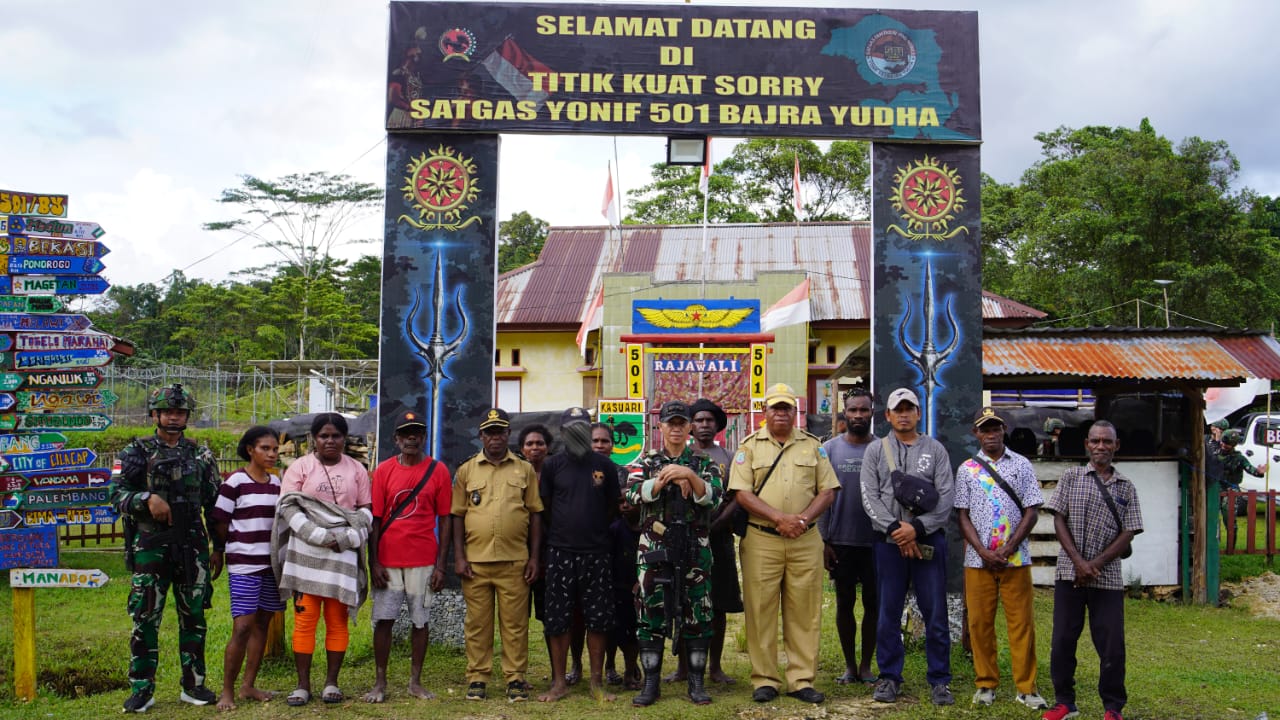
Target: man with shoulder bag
point(907, 491)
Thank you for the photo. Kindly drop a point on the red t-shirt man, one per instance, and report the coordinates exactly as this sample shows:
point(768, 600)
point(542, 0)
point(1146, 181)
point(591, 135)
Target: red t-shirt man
point(409, 540)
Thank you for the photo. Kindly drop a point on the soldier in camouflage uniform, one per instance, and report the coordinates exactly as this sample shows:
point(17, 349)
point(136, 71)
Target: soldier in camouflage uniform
point(1234, 466)
point(161, 486)
point(669, 479)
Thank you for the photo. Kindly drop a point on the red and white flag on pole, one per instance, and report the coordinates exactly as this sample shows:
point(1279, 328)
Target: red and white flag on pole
point(609, 207)
point(511, 66)
point(791, 309)
point(704, 181)
point(593, 320)
point(796, 199)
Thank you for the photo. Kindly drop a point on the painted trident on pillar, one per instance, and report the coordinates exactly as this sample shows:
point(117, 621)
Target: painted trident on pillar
point(928, 358)
point(435, 352)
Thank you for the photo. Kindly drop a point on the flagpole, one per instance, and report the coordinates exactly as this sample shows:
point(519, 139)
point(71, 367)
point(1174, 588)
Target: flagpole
point(706, 195)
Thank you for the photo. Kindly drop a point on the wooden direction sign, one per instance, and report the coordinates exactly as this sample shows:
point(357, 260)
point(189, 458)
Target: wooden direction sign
point(7, 401)
point(14, 321)
point(16, 202)
point(32, 442)
point(95, 478)
point(10, 519)
point(102, 515)
point(50, 379)
point(54, 284)
point(23, 245)
point(54, 265)
point(61, 341)
point(57, 359)
point(77, 422)
point(62, 498)
point(66, 459)
point(56, 578)
point(49, 227)
point(57, 400)
point(28, 547)
point(30, 304)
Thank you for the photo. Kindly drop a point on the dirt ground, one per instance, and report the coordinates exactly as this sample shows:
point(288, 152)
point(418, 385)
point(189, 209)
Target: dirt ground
point(1261, 595)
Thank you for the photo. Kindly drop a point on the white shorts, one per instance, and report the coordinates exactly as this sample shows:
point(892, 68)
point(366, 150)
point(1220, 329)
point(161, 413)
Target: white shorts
point(410, 585)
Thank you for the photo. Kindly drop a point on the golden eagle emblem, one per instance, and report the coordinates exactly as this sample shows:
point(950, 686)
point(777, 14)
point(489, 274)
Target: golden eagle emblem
point(694, 316)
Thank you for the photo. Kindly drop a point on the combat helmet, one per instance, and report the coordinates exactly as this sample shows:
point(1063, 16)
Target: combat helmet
point(173, 397)
point(1231, 437)
point(1052, 424)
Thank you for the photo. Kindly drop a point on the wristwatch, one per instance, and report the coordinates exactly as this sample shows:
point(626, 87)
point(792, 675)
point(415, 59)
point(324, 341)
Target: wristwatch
point(143, 497)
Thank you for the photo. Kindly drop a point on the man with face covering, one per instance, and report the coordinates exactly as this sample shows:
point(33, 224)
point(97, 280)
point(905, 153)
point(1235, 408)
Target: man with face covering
point(580, 492)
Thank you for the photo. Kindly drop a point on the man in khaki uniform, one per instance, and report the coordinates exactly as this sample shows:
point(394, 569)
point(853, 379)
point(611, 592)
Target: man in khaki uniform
point(781, 554)
point(497, 537)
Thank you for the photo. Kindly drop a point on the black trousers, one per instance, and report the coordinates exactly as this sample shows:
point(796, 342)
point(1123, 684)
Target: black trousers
point(1106, 627)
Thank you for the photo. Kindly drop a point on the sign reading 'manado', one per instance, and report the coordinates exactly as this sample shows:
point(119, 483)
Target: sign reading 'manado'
point(56, 578)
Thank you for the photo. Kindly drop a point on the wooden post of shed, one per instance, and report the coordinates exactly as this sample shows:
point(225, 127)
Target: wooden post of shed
point(1199, 512)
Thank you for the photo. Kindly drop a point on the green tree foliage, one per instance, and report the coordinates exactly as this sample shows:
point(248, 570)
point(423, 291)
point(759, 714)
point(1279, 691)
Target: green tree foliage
point(301, 218)
point(1109, 210)
point(520, 240)
point(754, 184)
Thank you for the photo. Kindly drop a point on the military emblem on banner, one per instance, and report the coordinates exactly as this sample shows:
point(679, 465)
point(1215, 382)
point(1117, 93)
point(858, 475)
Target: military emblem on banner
point(440, 186)
point(928, 197)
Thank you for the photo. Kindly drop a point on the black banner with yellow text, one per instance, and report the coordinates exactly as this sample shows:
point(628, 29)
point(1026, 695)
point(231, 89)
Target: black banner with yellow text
point(684, 69)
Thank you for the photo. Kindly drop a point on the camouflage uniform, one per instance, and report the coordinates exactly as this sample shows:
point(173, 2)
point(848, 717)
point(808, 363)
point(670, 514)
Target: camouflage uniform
point(698, 613)
point(186, 476)
point(1234, 466)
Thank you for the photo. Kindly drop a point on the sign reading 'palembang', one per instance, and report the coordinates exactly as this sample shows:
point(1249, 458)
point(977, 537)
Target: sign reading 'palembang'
point(682, 69)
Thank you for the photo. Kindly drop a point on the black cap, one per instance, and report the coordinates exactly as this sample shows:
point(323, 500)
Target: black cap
point(495, 417)
point(574, 415)
point(705, 405)
point(410, 419)
point(986, 415)
point(674, 409)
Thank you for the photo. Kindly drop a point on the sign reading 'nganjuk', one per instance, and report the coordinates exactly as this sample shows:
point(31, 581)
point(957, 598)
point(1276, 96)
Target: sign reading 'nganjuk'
point(50, 379)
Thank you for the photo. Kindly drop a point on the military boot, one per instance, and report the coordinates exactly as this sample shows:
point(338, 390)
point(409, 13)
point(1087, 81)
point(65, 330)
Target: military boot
point(651, 663)
point(696, 656)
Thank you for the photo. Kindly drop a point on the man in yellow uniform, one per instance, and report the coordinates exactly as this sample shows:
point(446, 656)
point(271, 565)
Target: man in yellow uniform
point(497, 537)
point(784, 481)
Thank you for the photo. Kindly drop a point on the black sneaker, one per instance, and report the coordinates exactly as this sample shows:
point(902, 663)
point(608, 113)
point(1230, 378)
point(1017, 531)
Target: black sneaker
point(475, 691)
point(198, 695)
point(139, 702)
point(516, 691)
point(886, 691)
point(765, 693)
point(808, 695)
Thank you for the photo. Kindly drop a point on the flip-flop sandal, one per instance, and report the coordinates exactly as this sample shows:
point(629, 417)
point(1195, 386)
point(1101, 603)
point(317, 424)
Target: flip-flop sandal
point(298, 698)
point(869, 680)
point(332, 695)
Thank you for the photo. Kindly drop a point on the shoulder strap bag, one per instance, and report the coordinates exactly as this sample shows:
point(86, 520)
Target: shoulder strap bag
point(1006, 487)
point(1115, 512)
point(916, 494)
point(404, 502)
point(740, 515)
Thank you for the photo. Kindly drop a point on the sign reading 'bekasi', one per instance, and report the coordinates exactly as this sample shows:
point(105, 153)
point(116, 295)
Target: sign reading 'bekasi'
point(23, 245)
point(684, 69)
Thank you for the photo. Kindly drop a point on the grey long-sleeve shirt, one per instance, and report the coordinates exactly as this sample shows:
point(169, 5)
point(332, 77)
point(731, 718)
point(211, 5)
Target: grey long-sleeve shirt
point(925, 458)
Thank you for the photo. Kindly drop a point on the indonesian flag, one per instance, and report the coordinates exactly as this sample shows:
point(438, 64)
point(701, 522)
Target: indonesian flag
point(510, 65)
point(704, 182)
point(796, 199)
point(791, 309)
point(593, 320)
point(609, 206)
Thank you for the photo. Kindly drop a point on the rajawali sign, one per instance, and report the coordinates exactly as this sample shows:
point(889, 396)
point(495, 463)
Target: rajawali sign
point(684, 69)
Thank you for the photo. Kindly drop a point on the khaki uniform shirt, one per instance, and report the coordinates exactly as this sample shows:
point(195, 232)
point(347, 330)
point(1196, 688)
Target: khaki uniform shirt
point(802, 473)
point(494, 502)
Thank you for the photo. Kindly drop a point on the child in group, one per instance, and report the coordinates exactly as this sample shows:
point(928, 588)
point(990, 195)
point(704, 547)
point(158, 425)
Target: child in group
point(625, 531)
point(242, 517)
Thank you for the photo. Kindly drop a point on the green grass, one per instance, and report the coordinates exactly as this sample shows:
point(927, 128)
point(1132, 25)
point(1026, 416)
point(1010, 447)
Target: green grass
point(1183, 663)
point(1234, 568)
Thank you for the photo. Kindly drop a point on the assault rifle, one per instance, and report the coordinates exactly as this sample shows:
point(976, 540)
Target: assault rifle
point(676, 545)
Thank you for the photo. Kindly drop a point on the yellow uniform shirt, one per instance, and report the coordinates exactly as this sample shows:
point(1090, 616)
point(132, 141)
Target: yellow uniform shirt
point(494, 502)
point(802, 473)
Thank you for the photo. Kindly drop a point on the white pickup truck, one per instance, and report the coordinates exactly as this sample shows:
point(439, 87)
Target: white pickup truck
point(1261, 444)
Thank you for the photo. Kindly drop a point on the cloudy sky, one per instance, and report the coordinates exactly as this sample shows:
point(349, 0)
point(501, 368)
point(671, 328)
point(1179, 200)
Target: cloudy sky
point(143, 111)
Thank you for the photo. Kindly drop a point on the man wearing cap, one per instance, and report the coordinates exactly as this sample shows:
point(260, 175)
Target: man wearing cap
point(410, 491)
point(497, 539)
point(911, 549)
point(1234, 466)
point(676, 491)
point(579, 489)
point(709, 420)
point(783, 480)
point(848, 541)
point(998, 498)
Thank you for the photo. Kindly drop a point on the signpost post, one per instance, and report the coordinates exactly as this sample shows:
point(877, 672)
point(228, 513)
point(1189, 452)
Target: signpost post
point(24, 582)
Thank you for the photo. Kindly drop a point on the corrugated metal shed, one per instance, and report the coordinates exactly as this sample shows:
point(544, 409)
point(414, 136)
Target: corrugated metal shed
point(558, 287)
point(1203, 356)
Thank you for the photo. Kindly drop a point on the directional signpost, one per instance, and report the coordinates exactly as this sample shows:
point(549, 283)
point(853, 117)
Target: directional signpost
point(46, 385)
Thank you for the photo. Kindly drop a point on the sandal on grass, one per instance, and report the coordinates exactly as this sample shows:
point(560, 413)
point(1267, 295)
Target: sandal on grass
point(298, 698)
point(332, 695)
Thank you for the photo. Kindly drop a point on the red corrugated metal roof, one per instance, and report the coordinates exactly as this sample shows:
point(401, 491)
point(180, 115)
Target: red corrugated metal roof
point(1130, 353)
point(556, 289)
